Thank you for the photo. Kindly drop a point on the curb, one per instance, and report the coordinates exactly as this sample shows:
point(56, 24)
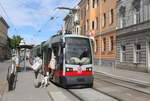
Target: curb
point(125, 79)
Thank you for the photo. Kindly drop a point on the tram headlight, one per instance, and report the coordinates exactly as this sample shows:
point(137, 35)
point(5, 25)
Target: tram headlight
point(89, 69)
point(69, 69)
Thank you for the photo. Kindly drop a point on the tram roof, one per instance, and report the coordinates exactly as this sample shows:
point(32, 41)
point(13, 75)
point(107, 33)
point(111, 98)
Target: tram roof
point(59, 38)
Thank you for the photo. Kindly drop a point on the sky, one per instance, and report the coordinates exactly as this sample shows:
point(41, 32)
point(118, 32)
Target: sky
point(34, 20)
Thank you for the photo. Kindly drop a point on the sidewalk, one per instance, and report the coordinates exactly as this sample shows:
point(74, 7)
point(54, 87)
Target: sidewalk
point(3, 73)
point(25, 90)
point(132, 76)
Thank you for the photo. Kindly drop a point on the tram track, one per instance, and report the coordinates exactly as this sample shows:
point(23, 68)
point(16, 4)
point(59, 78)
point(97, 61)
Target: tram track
point(98, 95)
point(118, 99)
point(105, 87)
point(78, 97)
point(127, 90)
point(129, 85)
point(128, 81)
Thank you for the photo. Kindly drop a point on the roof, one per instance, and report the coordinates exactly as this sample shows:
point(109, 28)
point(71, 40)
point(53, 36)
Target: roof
point(67, 17)
point(4, 22)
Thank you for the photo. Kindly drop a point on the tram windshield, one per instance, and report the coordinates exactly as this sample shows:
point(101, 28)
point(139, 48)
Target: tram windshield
point(78, 51)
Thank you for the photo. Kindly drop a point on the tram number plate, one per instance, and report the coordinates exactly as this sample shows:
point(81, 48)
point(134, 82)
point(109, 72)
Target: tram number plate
point(81, 79)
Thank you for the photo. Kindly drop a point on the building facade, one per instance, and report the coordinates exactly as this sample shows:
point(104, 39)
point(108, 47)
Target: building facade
point(98, 20)
point(72, 21)
point(89, 11)
point(4, 48)
point(133, 35)
point(106, 37)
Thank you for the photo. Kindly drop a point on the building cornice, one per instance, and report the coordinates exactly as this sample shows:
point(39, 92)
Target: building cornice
point(105, 32)
point(133, 29)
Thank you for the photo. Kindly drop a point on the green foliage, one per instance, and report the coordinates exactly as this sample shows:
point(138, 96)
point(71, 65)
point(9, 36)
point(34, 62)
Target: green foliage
point(15, 41)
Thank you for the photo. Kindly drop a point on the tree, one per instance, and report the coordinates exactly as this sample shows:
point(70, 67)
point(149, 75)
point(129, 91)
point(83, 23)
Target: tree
point(15, 41)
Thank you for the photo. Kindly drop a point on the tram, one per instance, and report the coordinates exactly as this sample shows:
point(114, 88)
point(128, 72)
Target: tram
point(73, 59)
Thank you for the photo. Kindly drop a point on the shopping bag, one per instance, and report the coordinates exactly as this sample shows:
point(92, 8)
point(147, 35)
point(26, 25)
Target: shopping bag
point(37, 65)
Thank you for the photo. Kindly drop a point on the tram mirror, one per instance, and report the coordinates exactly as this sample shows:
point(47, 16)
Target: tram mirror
point(63, 45)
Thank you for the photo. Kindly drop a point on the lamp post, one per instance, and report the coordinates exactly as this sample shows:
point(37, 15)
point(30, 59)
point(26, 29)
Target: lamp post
point(67, 8)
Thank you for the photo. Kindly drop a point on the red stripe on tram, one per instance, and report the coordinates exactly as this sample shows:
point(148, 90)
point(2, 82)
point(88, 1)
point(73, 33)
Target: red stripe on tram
point(78, 73)
point(73, 73)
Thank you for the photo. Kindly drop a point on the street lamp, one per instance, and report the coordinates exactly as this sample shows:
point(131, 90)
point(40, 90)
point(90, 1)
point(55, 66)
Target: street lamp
point(67, 8)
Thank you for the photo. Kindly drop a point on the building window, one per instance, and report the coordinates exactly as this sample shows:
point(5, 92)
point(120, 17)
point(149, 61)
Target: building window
point(77, 30)
point(96, 46)
point(122, 12)
point(97, 23)
point(136, 17)
point(123, 53)
point(82, 14)
point(137, 53)
point(84, 29)
point(104, 20)
point(97, 3)
point(93, 25)
point(93, 4)
point(104, 45)
point(87, 25)
point(111, 16)
point(84, 11)
point(111, 43)
point(88, 5)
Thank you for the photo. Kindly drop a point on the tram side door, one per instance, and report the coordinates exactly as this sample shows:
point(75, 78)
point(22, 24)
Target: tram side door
point(58, 52)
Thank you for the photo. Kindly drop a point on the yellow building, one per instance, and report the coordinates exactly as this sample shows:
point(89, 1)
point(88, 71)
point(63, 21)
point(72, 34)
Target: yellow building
point(98, 19)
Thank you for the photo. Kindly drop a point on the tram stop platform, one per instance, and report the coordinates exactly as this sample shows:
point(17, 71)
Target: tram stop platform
point(126, 75)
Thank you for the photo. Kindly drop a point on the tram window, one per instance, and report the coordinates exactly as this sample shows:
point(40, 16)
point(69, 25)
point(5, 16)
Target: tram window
point(78, 51)
point(60, 62)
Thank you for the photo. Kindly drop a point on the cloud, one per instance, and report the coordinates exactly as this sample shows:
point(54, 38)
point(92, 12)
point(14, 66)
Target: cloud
point(34, 14)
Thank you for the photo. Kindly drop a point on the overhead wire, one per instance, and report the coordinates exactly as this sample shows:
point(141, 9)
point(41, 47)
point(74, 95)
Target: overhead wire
point(65, 11)
point(54, 16)
point(5, 12)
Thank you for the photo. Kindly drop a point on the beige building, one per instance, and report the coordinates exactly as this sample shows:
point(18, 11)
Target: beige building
point(72, 21)
point(3, 39)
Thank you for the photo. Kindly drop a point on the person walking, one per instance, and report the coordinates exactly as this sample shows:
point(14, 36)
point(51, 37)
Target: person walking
point(37, 66)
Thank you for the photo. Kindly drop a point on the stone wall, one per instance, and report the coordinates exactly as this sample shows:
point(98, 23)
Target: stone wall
point(130, 36)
